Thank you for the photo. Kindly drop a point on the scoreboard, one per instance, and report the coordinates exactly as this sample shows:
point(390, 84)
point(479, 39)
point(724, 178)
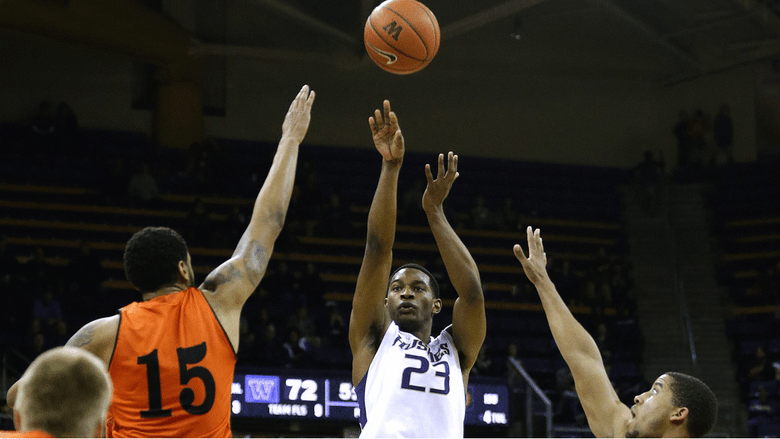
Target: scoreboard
point(308, 396)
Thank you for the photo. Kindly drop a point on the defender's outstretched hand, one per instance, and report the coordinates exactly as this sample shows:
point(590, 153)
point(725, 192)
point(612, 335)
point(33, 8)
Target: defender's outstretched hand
point(535, 265)
point(296, 122)
point(387, 134)
point(438, 189)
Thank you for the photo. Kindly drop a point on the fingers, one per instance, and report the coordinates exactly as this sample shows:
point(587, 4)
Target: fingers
point(386, 106)
point(441, 166)
point(452, 166)
point(428, 175)
point(519, 253)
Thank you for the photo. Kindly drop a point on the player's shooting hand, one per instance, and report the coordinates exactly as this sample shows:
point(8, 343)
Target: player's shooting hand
point(387, 134)
point(535, 265)
point(438, 189)
point(296, 122)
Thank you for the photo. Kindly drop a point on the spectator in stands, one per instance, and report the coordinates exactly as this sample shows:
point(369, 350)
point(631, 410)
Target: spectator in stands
point(698, 130)
point(296, 349)
point(762, 410)
point(761, 366)
point(509, 217)
point(481, 216)
point(513, 377)
point(302, 322)
point(484, 365)
point(336, 329)
point(723, 134)
point(248, 345)
point(272, 353)
point(649, 176)
point(47, 311)
point(683, 143)
point(38, 272)
point(142, 188)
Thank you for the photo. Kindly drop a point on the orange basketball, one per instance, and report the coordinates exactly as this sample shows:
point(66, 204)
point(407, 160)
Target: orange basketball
point(401, 36)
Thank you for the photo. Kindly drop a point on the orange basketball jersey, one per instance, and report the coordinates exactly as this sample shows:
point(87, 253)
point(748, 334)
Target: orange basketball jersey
point(172, 369)
point(30, 433)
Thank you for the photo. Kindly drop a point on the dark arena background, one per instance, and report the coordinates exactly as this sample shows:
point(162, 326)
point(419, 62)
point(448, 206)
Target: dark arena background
point(599, 121)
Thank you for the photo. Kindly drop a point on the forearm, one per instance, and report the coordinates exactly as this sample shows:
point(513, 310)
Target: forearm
point(382, 214)
point(270, 208)
point(461, 268)
point(575, 343)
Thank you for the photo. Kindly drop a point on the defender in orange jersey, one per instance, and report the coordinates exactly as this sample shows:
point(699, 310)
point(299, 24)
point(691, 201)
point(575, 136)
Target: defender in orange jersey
point(172, 356)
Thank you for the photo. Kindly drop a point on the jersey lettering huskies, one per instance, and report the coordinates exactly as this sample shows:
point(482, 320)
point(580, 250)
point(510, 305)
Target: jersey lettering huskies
point(408, 381)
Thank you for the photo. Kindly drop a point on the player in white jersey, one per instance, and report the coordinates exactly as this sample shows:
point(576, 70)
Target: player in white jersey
point(410, 384)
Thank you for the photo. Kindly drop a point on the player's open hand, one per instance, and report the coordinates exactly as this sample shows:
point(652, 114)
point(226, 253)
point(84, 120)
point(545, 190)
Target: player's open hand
point(535, 265)
point(387, 134)
point(296, 122)
point(438, 189)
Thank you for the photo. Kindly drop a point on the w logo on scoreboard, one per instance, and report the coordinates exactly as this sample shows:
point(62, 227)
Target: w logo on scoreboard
point(261, 388)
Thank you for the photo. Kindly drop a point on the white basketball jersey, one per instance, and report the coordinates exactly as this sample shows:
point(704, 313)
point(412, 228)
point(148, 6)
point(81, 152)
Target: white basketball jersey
point(413, 390)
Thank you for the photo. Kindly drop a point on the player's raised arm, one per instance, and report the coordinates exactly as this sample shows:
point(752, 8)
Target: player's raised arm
point(230, 284)
point(468, 314)
point(606, 415)
point(369, 319)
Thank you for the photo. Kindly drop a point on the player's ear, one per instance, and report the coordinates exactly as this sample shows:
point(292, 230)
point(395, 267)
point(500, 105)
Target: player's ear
point(679, 415)
point(184, 272)
point(436, 306)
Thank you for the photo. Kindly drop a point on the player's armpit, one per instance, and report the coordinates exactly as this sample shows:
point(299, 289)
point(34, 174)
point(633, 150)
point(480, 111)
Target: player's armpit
point(97, 337)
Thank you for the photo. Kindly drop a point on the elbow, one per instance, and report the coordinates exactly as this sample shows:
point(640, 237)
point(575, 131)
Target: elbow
point(376, 246)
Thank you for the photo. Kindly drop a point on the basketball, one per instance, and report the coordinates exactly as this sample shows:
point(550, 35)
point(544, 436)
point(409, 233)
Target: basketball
point(401, 36)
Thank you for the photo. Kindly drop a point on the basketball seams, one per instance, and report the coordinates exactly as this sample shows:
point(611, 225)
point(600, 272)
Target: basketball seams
point(437, 31)
point(419, 37)
point(395, 56)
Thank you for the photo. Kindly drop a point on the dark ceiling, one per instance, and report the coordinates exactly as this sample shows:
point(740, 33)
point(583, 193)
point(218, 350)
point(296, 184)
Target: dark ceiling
point(660, 40)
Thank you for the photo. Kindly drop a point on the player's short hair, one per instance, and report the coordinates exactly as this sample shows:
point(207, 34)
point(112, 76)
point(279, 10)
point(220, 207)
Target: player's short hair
point(692, 393)
point(152, 258)
point(433, 283)
point(65, 392)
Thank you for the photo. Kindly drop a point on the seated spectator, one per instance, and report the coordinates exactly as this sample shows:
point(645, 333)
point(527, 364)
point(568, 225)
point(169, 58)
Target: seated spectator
point(270, 349)
point(248, 349)
point(142, 188)
point(509, 217)
point(296, 349)
point(484, 365)
point(303, 323)
point(481, 216)
point(336, 332)
point(48, 313)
